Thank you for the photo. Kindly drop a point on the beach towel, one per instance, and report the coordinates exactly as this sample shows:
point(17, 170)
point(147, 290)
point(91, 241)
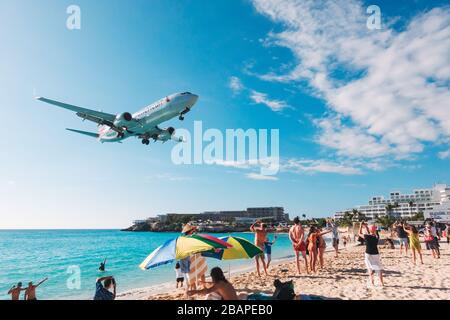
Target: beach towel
point(198, 268)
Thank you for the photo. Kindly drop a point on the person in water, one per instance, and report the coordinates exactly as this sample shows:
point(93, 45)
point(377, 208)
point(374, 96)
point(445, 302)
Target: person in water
point(260, 239)
point(30, 292)
point(102, 265)
point(15, 291)
point(219, 288)
point(414, 242)
point(297, 237)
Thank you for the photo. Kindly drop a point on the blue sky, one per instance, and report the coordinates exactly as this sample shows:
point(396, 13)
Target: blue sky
point(360, 112)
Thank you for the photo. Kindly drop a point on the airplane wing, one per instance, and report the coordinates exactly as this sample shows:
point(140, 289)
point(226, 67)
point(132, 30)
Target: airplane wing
point(86, 133)
point(88, 114)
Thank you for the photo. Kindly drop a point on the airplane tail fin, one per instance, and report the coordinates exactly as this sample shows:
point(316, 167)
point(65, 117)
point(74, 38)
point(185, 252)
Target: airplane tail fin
point(90, 134)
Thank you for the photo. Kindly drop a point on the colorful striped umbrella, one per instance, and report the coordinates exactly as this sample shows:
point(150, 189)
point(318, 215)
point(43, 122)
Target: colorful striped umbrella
point(240, 249)
point(180, 248)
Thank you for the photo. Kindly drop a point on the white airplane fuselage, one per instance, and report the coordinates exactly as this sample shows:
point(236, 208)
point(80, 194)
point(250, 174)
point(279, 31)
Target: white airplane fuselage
point(151, 116)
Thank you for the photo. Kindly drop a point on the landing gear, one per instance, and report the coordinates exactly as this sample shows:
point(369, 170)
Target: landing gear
point(145, 141)
point(183, 113)
point(120, 135)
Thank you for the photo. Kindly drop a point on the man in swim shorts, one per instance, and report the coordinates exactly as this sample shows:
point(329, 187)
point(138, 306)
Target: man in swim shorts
point(297, 237)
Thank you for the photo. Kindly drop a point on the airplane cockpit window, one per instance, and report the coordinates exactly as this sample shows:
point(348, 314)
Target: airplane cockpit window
point(186, 93)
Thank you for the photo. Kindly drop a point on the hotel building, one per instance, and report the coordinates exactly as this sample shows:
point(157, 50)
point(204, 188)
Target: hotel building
point(401, 205)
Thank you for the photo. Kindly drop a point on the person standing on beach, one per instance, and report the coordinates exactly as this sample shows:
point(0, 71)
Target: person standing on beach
point(447, 231)
point(297, 237)
point(321, 246)
point(260, 239)
point(102, 287)
point(431, 242)
point(314, 243)
point(372, 256)
point(331, 224)
point(402, 236)
point(198, 266)
point(30, 292)
point(15, 291)
point(414, 242)
point(268, 250)
point(179, 275)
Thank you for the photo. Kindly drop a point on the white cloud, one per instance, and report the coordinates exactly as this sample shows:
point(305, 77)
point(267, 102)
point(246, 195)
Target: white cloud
point(258, 176)
point(170, 177)
point(235, 84)
point(320, 166)
point(444, 154)
point(394, 95)
point(262, 98)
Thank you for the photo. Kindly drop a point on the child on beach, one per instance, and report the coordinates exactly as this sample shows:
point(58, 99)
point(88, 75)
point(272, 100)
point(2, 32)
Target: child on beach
point(372, 256)
point(179, 275)
point(268, 250)
point(414, 242)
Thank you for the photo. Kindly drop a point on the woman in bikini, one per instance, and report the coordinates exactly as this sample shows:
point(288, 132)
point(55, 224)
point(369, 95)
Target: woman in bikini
point(321, 245)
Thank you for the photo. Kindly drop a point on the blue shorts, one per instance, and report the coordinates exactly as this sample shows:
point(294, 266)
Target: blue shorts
point(403, 241)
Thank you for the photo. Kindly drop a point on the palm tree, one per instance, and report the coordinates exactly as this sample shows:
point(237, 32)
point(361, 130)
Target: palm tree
point(385, 221)
point(410, 204)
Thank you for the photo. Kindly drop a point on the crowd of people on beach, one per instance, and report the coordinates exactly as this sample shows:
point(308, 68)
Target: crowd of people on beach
point(310, 247)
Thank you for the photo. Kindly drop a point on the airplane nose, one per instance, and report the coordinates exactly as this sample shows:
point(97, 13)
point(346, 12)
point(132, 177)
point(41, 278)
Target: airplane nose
point(194, 98)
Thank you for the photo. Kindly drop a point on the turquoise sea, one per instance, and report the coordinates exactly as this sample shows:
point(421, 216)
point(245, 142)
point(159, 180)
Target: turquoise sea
point(31, 255)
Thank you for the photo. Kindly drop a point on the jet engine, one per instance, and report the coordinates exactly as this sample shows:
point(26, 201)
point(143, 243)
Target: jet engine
point(169, 134)
point(123, 119)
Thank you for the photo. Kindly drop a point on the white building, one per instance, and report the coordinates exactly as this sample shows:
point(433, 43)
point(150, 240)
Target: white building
point(403, 205)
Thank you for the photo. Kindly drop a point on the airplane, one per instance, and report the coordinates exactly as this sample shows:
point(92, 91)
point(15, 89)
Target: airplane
point(143, 124)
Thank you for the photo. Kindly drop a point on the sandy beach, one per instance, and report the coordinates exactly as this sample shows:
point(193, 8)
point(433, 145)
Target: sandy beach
point(342, 278)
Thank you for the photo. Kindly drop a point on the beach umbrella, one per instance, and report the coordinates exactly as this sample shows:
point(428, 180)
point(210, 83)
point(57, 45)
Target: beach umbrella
point(240, 249)
point(182, 247)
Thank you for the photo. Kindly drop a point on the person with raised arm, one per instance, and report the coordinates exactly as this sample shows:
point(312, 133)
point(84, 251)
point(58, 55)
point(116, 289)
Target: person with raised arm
point(414, 242)
point(372, 256)
point(260, 239)
point(30, 292)
point(15, 291)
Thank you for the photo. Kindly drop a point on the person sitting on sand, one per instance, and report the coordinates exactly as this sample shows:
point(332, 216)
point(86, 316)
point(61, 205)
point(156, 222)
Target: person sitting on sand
point(220, 288)
point(15, 291)
point(297, 237)
point(260, 239)
point(102, 266)
point(30, 292)
point(268, 250)
point(372, 256)
point(414, 242)
point(179, 275)
point(102, 287)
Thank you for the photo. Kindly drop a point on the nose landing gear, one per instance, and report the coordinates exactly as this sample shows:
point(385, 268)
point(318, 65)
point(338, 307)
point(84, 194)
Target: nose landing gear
point(181, 117)
point(145, 141)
